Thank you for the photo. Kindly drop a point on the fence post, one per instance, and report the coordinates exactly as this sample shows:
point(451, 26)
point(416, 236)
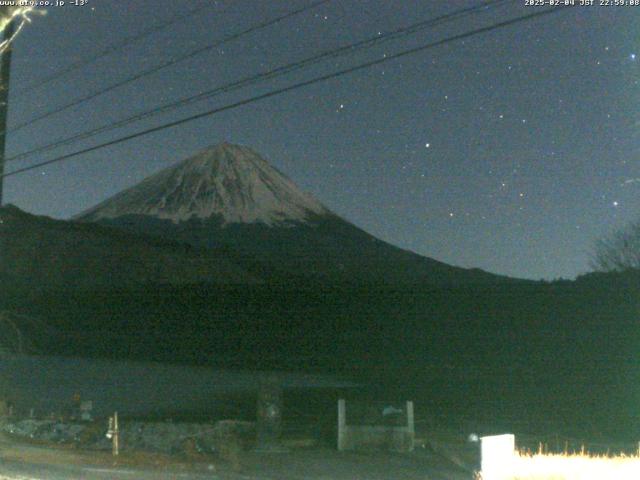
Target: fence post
point(342, 424)
point(497, 457)
point(410, 425)
point(410, 422)
point(113, 434)
point(116, 435)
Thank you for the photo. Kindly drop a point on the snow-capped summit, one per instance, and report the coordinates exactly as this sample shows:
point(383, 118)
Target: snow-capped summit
point(228, 182)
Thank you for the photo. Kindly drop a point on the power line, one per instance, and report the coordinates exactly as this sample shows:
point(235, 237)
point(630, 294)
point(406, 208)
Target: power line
point(251, 80)
point(115, 47)
point(293, 87)
point(166, 64)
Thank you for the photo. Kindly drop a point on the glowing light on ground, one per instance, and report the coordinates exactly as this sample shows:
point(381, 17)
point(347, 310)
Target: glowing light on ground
point(501, 461)
point(574, 467)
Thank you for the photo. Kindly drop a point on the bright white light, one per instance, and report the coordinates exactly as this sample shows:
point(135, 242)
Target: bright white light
point(15, 13)
point(632, 56)
point(498, 453)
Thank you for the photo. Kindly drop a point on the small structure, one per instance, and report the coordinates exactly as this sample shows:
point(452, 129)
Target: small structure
point(390, 429)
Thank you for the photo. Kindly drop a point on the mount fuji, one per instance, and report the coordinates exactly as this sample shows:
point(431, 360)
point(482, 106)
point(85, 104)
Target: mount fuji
point(229, 197)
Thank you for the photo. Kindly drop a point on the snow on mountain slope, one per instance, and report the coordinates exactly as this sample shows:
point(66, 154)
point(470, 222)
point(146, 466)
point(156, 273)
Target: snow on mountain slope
point(227, 181)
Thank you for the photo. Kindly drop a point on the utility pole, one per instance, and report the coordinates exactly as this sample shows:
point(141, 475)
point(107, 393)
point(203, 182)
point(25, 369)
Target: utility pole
point(5, 70)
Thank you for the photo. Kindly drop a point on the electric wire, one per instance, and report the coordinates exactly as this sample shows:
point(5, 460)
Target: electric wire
point(162, 66)
point(295, 86)
point(115, 47)
point(253, 79)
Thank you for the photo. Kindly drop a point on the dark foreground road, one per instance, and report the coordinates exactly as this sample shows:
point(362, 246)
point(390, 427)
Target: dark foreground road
point(28, 462)
point(11, 470)
point(320, 470)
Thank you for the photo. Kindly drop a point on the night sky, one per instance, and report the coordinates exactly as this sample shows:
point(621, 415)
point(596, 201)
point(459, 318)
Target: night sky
point(511, 151)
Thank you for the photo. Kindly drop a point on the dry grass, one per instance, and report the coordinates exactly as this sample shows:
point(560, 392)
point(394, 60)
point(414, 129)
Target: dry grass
point(576, 466)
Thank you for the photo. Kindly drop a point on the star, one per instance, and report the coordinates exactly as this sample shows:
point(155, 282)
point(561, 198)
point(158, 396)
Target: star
point(632, 56)
point(427, 145)
point(615, 203)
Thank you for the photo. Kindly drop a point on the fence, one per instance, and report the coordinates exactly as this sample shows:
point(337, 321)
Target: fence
point(376, 425)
